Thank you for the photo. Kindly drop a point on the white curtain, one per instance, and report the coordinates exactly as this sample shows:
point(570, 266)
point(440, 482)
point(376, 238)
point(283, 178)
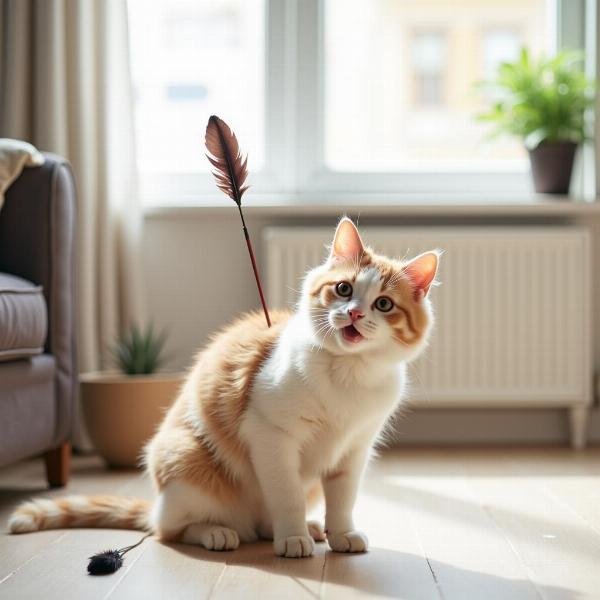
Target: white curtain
point(65, 86)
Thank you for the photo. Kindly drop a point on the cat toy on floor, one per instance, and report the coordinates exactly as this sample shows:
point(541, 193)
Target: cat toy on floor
point(230, 173)
point(109, 561)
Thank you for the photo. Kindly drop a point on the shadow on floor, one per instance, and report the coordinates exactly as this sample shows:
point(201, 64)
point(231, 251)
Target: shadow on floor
point(385, 573)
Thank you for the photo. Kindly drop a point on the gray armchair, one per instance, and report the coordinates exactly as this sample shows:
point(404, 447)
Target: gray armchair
point(38, 364)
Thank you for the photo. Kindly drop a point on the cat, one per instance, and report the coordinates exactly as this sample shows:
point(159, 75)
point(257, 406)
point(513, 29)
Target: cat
point(271, 419)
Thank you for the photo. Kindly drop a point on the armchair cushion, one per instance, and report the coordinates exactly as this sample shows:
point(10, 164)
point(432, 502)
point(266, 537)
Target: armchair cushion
point(23, 318)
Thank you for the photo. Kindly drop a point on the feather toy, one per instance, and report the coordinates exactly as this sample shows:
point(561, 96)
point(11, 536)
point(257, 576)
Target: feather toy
point(230, 173)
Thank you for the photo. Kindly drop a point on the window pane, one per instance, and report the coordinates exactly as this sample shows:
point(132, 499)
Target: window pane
point(191, 59)
point(399, 81)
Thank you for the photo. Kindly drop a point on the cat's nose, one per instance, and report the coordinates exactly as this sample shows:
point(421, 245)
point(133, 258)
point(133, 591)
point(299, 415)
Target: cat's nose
point(355, 315)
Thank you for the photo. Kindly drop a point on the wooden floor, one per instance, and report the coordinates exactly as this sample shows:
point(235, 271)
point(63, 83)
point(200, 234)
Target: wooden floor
point(443, 524)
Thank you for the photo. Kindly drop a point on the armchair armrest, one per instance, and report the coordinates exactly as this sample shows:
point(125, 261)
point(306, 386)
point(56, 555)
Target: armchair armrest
point(37, 242)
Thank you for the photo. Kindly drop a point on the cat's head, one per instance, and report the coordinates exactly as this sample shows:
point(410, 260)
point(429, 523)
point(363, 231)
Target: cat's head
point(360, 302)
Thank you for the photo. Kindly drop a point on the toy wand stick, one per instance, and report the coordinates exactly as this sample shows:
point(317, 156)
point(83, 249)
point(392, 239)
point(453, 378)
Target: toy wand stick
point(230, 172)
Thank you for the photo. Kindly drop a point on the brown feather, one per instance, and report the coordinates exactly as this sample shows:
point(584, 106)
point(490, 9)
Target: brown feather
point(230, 173)
point(230, 169)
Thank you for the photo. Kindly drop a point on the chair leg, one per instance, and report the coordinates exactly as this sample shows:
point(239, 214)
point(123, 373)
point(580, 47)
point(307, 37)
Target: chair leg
point(58, 465)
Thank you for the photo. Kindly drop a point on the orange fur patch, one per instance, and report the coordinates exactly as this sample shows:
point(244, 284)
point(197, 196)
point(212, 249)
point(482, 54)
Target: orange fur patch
point(410, 321)
point(226, 372)
point(177, 454)
point(81, 511)
point(223, 377)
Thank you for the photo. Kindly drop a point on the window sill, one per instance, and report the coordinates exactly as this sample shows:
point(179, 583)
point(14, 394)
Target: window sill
point(472, 205)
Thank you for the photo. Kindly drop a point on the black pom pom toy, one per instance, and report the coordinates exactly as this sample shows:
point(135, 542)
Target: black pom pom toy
point(105, 563)
point(109, 561)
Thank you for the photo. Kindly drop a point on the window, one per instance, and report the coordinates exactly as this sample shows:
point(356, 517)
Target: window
point(404, 72)
point(190, 59)
point(328, 96)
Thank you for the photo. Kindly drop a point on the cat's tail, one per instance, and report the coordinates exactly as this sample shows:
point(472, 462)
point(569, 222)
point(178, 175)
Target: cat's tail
point(110, 512)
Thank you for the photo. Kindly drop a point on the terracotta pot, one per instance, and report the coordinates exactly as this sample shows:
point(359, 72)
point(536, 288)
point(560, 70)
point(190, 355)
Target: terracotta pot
point(551, 166)
point(122, 412)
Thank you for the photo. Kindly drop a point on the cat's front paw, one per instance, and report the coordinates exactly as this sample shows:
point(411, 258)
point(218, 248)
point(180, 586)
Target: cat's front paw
point(351, 541)
point(294, 546)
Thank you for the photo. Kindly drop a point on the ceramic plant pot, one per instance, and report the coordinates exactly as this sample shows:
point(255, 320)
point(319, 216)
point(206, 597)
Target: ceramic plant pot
point(122, 412)
point(551, 166)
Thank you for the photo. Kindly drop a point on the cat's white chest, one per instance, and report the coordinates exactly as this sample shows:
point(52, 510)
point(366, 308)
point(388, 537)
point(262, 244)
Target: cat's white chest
point(341, 418)
point(326, 403)
point(349, 391)
point(326, 447)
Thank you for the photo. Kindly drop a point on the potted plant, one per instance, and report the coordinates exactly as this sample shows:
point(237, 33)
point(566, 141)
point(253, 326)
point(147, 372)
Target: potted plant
point(544, 102)
point(123, 409)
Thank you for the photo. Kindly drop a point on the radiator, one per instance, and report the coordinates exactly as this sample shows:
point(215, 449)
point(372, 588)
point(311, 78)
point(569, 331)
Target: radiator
point(513, 311)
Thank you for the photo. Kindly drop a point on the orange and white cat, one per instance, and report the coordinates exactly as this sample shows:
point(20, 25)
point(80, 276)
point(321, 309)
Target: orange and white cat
point(266, 416)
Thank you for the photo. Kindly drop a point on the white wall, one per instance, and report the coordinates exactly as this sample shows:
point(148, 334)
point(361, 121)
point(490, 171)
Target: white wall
point(198, 278)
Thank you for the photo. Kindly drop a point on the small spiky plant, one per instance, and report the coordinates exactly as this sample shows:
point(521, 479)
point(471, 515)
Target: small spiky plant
point(140, 351)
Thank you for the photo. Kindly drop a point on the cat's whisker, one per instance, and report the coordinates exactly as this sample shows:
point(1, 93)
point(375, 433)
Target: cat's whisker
point(327, 331)
point(331, 329)
point(319, 318)
point(323, 327)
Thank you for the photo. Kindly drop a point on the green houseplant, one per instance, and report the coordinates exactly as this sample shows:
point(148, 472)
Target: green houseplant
point(122, 409)
point(544, 103)
point(140, 351)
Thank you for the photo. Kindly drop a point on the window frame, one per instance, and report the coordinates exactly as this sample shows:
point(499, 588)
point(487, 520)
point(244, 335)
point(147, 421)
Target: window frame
point(295, 170)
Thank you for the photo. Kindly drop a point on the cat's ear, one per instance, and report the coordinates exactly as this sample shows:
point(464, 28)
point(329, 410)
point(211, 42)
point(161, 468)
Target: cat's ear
point(421, 271)
point(346, 242)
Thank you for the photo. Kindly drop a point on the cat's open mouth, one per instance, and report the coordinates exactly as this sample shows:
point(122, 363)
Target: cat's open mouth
point(351, 334)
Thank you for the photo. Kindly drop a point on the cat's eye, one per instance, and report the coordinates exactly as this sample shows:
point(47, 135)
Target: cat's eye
point(384, 304)
point(344, 289)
